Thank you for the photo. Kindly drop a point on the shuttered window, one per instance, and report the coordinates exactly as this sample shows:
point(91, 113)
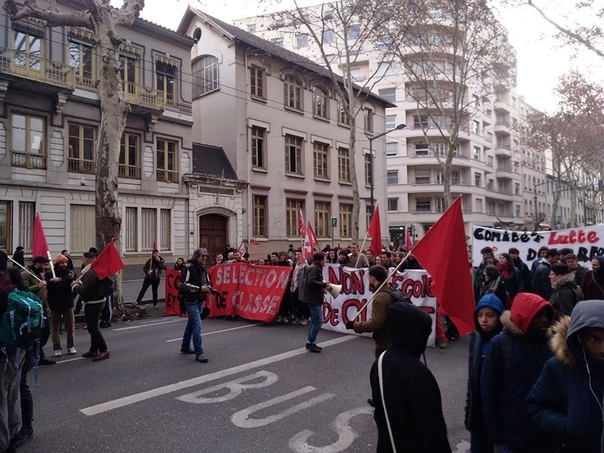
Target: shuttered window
point(165, 229)
point(148, 228)
point(131, 229)
point(27, 213)
point(81, 228)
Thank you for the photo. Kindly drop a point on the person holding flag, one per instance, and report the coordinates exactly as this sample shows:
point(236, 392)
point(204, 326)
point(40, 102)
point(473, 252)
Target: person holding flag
point(93, 286)
point(152, 269)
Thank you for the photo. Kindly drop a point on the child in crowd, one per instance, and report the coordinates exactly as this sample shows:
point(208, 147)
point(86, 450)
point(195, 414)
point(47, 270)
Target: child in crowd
point(486, 317)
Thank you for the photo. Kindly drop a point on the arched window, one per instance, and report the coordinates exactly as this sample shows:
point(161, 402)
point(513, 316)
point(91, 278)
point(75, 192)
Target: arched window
point(292, 92)
point(320, 102)
point(205, 75)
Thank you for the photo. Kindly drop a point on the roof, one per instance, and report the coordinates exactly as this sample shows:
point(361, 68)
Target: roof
point(249, 39)
point(212, 161)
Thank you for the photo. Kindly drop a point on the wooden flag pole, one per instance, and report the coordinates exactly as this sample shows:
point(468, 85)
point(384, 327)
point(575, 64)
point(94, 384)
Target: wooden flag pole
point(381, 286)
point(361, 250)
point(25, 269)
point(52, 266)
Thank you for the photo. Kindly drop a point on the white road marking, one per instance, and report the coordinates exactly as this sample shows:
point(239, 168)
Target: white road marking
point(216, 331)
point(170, 388)
point(70, 360)
point(151, 324)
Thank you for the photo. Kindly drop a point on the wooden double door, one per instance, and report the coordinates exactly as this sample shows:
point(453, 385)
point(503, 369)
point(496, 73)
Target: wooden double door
point(213, 234)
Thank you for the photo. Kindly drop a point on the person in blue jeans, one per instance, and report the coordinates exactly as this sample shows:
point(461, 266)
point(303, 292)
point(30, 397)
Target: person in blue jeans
point(313, 297)
point(194, 286)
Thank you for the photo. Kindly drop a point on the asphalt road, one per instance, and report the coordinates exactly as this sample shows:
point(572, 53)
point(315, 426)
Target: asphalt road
point(260, 392)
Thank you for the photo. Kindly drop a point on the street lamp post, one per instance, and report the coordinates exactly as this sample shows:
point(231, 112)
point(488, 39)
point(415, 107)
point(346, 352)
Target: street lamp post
point(371, 139)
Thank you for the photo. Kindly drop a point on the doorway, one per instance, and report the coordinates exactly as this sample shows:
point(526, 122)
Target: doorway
point(213, 234)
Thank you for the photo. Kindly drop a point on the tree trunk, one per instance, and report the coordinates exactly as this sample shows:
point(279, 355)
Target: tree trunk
point(354, 180)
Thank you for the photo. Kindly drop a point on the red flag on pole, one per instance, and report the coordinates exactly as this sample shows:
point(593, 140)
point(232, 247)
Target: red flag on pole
point(375, 231)
point(310, 243)
point(313, 239)
point(301, 230)
point(108, 262)
point(443, 253)
point(39, 243)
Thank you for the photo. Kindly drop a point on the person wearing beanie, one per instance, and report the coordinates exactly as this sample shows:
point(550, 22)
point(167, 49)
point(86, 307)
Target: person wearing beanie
point(566, 292)
point(486, 318)
point(60, 301)
point(511, 367)
point(566, 400)
point(19, 256)
point(413, 419)
point(67, 255)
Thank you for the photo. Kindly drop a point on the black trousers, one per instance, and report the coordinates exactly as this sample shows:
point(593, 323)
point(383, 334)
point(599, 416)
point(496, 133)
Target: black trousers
point(27, 400)
point(91, 314)
point(154, 284)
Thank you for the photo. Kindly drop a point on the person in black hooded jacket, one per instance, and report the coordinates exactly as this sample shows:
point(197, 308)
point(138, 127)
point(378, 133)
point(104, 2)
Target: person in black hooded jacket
point(566, 400)
point(411, 393)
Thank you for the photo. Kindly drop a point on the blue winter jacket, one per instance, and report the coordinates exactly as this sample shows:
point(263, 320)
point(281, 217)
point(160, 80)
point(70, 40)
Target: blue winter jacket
point(566, 400)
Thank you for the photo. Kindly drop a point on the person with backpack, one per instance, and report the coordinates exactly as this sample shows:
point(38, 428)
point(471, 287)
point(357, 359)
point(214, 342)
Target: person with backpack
point(566, 292)
point(511, 366)
point(486, 319)
point(152, 269)
point(60, 301)
point(408, 406)
point(89, 288)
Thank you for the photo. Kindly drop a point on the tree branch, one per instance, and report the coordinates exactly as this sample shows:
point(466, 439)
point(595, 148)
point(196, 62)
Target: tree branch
point(565, 31)
point(129, 11)
point(31, 9)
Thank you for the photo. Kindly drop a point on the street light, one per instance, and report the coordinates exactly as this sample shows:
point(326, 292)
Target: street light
point(371, 139)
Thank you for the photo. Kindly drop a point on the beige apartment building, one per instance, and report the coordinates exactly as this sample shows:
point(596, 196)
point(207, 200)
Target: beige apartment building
point(489, 169)
point(49, 122)
point(277, 118)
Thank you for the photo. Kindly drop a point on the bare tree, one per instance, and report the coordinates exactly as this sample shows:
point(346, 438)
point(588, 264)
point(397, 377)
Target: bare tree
point(456, 56)
point(102, 19)
point(342, 30)
point(574, 135)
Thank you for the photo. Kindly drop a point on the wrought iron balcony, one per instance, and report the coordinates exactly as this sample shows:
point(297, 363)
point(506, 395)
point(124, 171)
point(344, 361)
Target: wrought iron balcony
point(34, 67)
point(144, 96)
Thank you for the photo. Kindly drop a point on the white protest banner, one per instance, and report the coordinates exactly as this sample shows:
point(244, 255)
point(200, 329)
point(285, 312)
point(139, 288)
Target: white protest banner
point(355, 292)
point(585, 242)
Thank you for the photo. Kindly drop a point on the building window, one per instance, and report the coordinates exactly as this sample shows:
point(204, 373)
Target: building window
point(320, 101)
point(354, 32)
point(479, 206)
point(343, 164)
point(206, 77)
point(259, 147)
point(422, 177)
point(293, 155)
point(423, 205)
point(165, 229)
point(291, 216)
point(345, 220)
point(392, 204)
point(421, 122)
point(167, 160)
point(391, 149)
point(81, 58)
point(5, 225)
point(477, 179)
point(260, 216)
point(129, 68)
point(516, 188)
point(368, 173)
point(322, 218)
point(320, 160)
point(292, 92)
point(368, 119)
point(302, 40)
point(343, 117)
point(28, 147)
point(81, 148)
point(166, 77)
point(388, 94)
point(328, 36)
point(129, 163)
point(29, 51)
point(131, 229)
point(257, 82)
point(422, 150)
point(477, 153)
point(385, 68)
point(148, 228)
point(82, 227)
point(390, 122)
point(27, 213)
point(439, 149)
point(392, 177)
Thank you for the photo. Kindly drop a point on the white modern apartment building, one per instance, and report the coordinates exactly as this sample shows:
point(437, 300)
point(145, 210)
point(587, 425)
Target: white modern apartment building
point(490, 170)
point(277, 117)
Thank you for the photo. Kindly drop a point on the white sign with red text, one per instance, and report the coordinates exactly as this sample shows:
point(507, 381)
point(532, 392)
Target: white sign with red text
point(415, 284)
point(585, 242)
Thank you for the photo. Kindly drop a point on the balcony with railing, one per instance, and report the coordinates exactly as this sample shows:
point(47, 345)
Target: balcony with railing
point(28, 160)
point(143, 96)
point(81, 165)
point(502, 127)
point(503, 150)
point(167, 175)
point(129, 171)
point(36, 68)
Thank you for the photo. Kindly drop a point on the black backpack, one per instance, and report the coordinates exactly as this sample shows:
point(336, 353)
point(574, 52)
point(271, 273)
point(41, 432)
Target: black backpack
point(106, 287)
point(396, 295)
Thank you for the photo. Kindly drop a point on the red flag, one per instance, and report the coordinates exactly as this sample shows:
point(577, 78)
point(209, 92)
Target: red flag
point(301, 230)
point(310, 243)
point(408, 241)
point(311, 236)
point(154, 246)
point(108, 262)
point(254, 241)
point(39, 243)
point(443, 253)
point(375, 231)
point(242, 248)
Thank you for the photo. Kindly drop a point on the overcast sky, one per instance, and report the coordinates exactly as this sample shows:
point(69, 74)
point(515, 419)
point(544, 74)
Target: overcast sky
point(541, 59)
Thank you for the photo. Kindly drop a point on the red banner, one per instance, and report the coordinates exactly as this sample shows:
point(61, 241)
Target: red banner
point(247, 290)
